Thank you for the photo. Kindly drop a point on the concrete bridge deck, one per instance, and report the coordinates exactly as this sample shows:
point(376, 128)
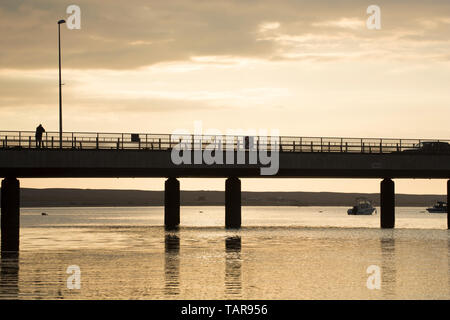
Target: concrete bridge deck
point(59, 163)
point(149, 155)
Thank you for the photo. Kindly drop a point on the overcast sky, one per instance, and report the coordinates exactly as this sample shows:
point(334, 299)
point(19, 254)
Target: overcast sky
point(306, 68)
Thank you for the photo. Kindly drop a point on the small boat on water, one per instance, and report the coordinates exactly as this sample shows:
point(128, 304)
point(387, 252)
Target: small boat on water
point(363, 206)
point(438, 207)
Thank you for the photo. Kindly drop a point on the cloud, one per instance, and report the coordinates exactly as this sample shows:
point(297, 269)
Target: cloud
point(267, 26)
point(137, 33)
point(345, 23)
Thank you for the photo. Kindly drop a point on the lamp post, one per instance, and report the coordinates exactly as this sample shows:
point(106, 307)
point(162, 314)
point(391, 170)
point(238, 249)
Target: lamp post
point(60, 96)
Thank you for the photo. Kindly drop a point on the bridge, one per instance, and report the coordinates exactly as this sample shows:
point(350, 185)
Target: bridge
point(88, 155)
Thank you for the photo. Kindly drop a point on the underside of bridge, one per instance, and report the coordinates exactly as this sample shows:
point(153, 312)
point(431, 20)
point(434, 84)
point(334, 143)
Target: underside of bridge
point(10, 207)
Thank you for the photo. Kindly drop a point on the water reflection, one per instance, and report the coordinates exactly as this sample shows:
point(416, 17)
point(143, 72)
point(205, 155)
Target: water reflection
point(388, 268)
point(448, 264)
point(9, 275)
point(233, 266)
point(172, 264)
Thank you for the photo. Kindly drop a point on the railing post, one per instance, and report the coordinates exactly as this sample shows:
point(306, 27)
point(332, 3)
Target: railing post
point(6, 141)
point(20, 138)
point(159, 143)
point(312, 148)
point(29, 142)
point(74, 142)
point(346, 147)
point(321, 144)
point(381, 146)
point(52, 141)
point(118, 143)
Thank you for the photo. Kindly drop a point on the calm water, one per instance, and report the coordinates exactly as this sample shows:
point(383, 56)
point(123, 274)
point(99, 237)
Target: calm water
point(280, 253)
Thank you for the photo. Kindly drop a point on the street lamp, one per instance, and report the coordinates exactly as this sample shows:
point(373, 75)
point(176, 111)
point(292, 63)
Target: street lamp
point(60, 96)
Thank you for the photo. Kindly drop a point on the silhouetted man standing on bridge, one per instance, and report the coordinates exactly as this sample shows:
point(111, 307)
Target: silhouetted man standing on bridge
point(39, 131)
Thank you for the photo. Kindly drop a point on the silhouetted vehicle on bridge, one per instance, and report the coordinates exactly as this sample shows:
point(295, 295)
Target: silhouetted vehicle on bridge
point(430, 147)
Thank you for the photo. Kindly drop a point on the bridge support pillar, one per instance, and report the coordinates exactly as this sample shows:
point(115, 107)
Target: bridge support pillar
point(10, 219)
point(232, 203)
point(387, 202)
point(448, 203)
point(172, 203)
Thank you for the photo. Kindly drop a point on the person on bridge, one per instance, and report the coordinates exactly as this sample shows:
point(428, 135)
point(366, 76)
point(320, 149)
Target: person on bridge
point(39, 131)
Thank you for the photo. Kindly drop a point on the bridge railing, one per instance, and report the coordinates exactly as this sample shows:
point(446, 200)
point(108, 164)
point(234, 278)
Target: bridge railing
point(136, 141)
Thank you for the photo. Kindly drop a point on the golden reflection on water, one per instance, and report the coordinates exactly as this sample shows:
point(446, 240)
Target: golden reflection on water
point(9, 275)
point(233, 266)
point(172, 265)
point(139, 261)
point(256, 263)
point(388, 268)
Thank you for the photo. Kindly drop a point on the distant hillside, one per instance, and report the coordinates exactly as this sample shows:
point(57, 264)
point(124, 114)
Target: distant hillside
point(87, 197)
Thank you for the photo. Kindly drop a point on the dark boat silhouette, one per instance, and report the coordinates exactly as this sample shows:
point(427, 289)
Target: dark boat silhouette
point(438, 207)
point(363, 207)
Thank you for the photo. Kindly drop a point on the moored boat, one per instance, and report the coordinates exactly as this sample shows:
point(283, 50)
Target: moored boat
point(438, 207)
point(363, 206)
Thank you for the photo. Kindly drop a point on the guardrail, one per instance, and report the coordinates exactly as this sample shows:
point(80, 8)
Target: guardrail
point(136, 141)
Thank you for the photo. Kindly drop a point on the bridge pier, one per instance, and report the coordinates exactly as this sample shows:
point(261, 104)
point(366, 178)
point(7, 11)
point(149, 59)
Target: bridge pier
point(448, 203)
point(171, 203)
point(387, 203)
point(232, 203)
point(10, 219)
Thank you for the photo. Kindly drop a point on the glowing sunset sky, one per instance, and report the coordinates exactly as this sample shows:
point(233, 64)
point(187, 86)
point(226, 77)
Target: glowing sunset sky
point(306, 68)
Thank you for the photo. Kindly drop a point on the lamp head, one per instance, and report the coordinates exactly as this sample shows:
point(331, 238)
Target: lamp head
point(61, 21)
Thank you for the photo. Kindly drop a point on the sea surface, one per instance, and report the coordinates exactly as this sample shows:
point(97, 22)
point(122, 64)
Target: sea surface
point(279, 253)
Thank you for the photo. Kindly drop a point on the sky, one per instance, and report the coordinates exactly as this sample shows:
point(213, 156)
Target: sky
point(305, 68)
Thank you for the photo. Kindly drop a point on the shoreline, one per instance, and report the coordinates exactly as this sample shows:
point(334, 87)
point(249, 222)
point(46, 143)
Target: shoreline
point(35, 198)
